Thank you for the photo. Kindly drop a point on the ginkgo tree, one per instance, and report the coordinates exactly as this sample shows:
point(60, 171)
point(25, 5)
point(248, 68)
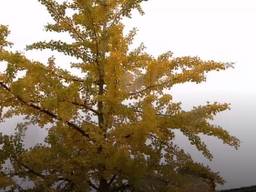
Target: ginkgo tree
point(112, 127)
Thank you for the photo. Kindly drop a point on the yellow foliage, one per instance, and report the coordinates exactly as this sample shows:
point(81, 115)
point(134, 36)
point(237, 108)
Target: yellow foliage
point(112, 127)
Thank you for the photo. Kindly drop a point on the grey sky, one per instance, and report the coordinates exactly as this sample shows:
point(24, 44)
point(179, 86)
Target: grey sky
point(223, 30)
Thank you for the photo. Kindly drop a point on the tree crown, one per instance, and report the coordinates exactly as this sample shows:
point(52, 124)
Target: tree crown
point(113, 128)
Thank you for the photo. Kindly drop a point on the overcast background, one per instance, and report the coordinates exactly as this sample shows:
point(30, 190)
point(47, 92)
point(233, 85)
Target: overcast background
point(223, 30)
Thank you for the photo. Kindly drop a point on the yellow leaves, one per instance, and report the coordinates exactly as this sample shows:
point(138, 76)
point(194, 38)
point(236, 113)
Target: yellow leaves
point(195, 122)
point(116, 40)
point(156, 69)
point(50, 103)
point(5, 181)
point(3, 35)
point(192, 168)
point(210, 110)
point(193, 69)
point(165, 99)
point(120, 157)
point(118, 117)
point(130, 36)
point(115, 78)
point(19, 89)
point(65, 110)
point(2, 78)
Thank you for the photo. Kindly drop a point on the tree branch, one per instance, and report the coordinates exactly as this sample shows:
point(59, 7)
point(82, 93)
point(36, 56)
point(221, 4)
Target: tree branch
point(92, 185)
point(150, 87)
point(112, 179)
point(47, 112)
point(85, 106)
point(29, 169)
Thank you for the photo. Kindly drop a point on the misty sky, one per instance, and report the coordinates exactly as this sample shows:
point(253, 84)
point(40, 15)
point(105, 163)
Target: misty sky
point(223, 30)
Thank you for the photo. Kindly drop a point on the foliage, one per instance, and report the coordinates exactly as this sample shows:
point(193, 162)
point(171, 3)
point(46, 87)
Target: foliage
point(113, 128)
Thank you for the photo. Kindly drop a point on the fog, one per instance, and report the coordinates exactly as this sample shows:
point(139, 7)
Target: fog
point(237, 167)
